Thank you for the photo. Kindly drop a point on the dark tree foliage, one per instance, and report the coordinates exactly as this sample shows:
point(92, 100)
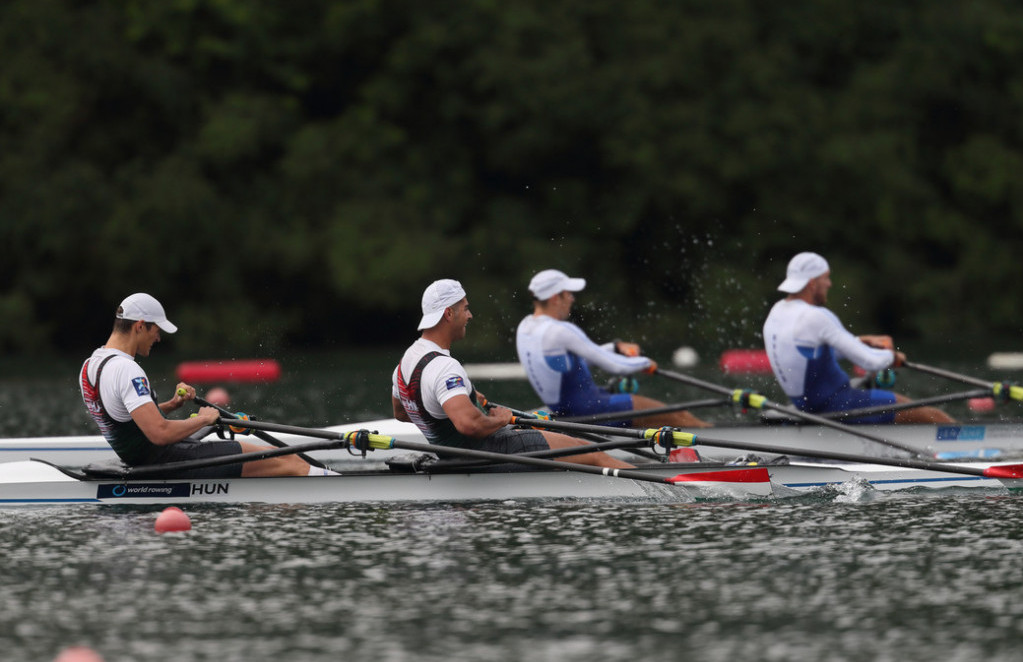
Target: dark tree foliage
point(294, 174)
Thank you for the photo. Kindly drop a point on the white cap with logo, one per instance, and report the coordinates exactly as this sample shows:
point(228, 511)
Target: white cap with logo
point(549, 282)
point(141, 306)
point(438, 297)
point(802, 269)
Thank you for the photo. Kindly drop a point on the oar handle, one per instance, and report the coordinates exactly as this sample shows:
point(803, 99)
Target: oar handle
point(666, 436)
point(947, 374)
point(360, 438)
point(233, 421)
point(1001, 390)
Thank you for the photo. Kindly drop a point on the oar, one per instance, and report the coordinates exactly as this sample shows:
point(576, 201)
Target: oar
point(680, 438)
point(1009, 471)
point(641, 413)
point(1000, 390)
point(922, 402)
point(361, 439)
point(596, 434)
point(170, 468)
point(270, 439)
point(757, 401)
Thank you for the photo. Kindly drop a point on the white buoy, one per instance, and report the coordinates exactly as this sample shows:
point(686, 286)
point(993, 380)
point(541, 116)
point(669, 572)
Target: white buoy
point(685, 357)
point(495, 370)
point(1005, 361)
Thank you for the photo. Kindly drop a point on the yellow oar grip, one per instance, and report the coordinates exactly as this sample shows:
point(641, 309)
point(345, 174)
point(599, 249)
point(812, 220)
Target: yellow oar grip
point(748, 398)
point(376, 441)
point(680, 438)
point(381, 442)
point(1014, 392)
point(182, 392)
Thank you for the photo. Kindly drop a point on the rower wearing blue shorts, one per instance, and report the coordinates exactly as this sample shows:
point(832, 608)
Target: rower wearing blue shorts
point(805, 341)
point(557, 356)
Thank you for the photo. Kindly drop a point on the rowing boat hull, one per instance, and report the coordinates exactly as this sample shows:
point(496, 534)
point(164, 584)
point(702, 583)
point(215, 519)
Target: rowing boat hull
point(37, 483)
point(980, 441)
point(988, 441)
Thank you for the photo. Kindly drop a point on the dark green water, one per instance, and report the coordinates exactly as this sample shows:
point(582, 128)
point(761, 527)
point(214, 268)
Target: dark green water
point(841, 575)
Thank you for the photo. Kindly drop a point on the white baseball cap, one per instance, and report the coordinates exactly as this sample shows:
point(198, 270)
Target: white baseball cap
point(802, 269)
point(438, 297)
point(141, 306)
point(549, 282)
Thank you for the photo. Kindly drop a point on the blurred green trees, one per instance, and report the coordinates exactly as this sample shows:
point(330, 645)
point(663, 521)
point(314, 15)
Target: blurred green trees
point(294, 174)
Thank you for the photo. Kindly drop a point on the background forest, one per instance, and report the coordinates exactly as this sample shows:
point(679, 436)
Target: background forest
point(293, 174)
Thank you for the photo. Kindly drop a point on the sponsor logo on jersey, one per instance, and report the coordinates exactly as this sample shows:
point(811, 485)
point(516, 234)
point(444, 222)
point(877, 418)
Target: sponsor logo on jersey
point(141, 385)
point(454, 382)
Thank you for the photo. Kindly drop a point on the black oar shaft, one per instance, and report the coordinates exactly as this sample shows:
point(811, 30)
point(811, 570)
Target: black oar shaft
point(565, 426)
point(813, 418)
point(170, 468)
point(642, 413)
point(907, 463)
point(947, 374)
point(882, 409)
point(469, 453)
point(270, 439)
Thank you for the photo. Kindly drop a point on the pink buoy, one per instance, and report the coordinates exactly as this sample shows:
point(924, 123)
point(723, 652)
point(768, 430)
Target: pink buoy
point(78, 654)
point(981, 404)
point(171, 520)
point(218, 396)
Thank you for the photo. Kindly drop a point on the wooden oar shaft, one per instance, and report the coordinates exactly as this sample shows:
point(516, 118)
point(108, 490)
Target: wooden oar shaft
point(761, 401)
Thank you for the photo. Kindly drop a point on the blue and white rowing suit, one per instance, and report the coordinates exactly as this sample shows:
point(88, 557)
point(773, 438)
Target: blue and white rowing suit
point(804, 344)
point(555, 355)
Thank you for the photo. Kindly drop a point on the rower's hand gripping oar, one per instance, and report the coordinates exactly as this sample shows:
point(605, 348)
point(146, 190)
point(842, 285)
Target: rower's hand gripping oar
point(1000, 391)
point(260, 434)
point(748, 398)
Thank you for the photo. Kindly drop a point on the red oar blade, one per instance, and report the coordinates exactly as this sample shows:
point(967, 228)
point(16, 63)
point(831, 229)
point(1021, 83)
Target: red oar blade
point(1005, 471)
point(742, 475)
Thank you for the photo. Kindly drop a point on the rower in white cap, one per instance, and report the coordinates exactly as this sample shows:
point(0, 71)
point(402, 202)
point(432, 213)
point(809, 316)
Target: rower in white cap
point(805, 340)
point(119, 397)
point(432, 390)
point(556, 355)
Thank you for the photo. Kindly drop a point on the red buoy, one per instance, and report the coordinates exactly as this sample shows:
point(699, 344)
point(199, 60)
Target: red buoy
point(237, 370)
point(78, 654)
point(172, 519)
point(745, 361)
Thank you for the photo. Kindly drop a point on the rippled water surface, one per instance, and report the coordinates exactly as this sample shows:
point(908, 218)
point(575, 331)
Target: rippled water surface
point(842, 575)
point(906, 577)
